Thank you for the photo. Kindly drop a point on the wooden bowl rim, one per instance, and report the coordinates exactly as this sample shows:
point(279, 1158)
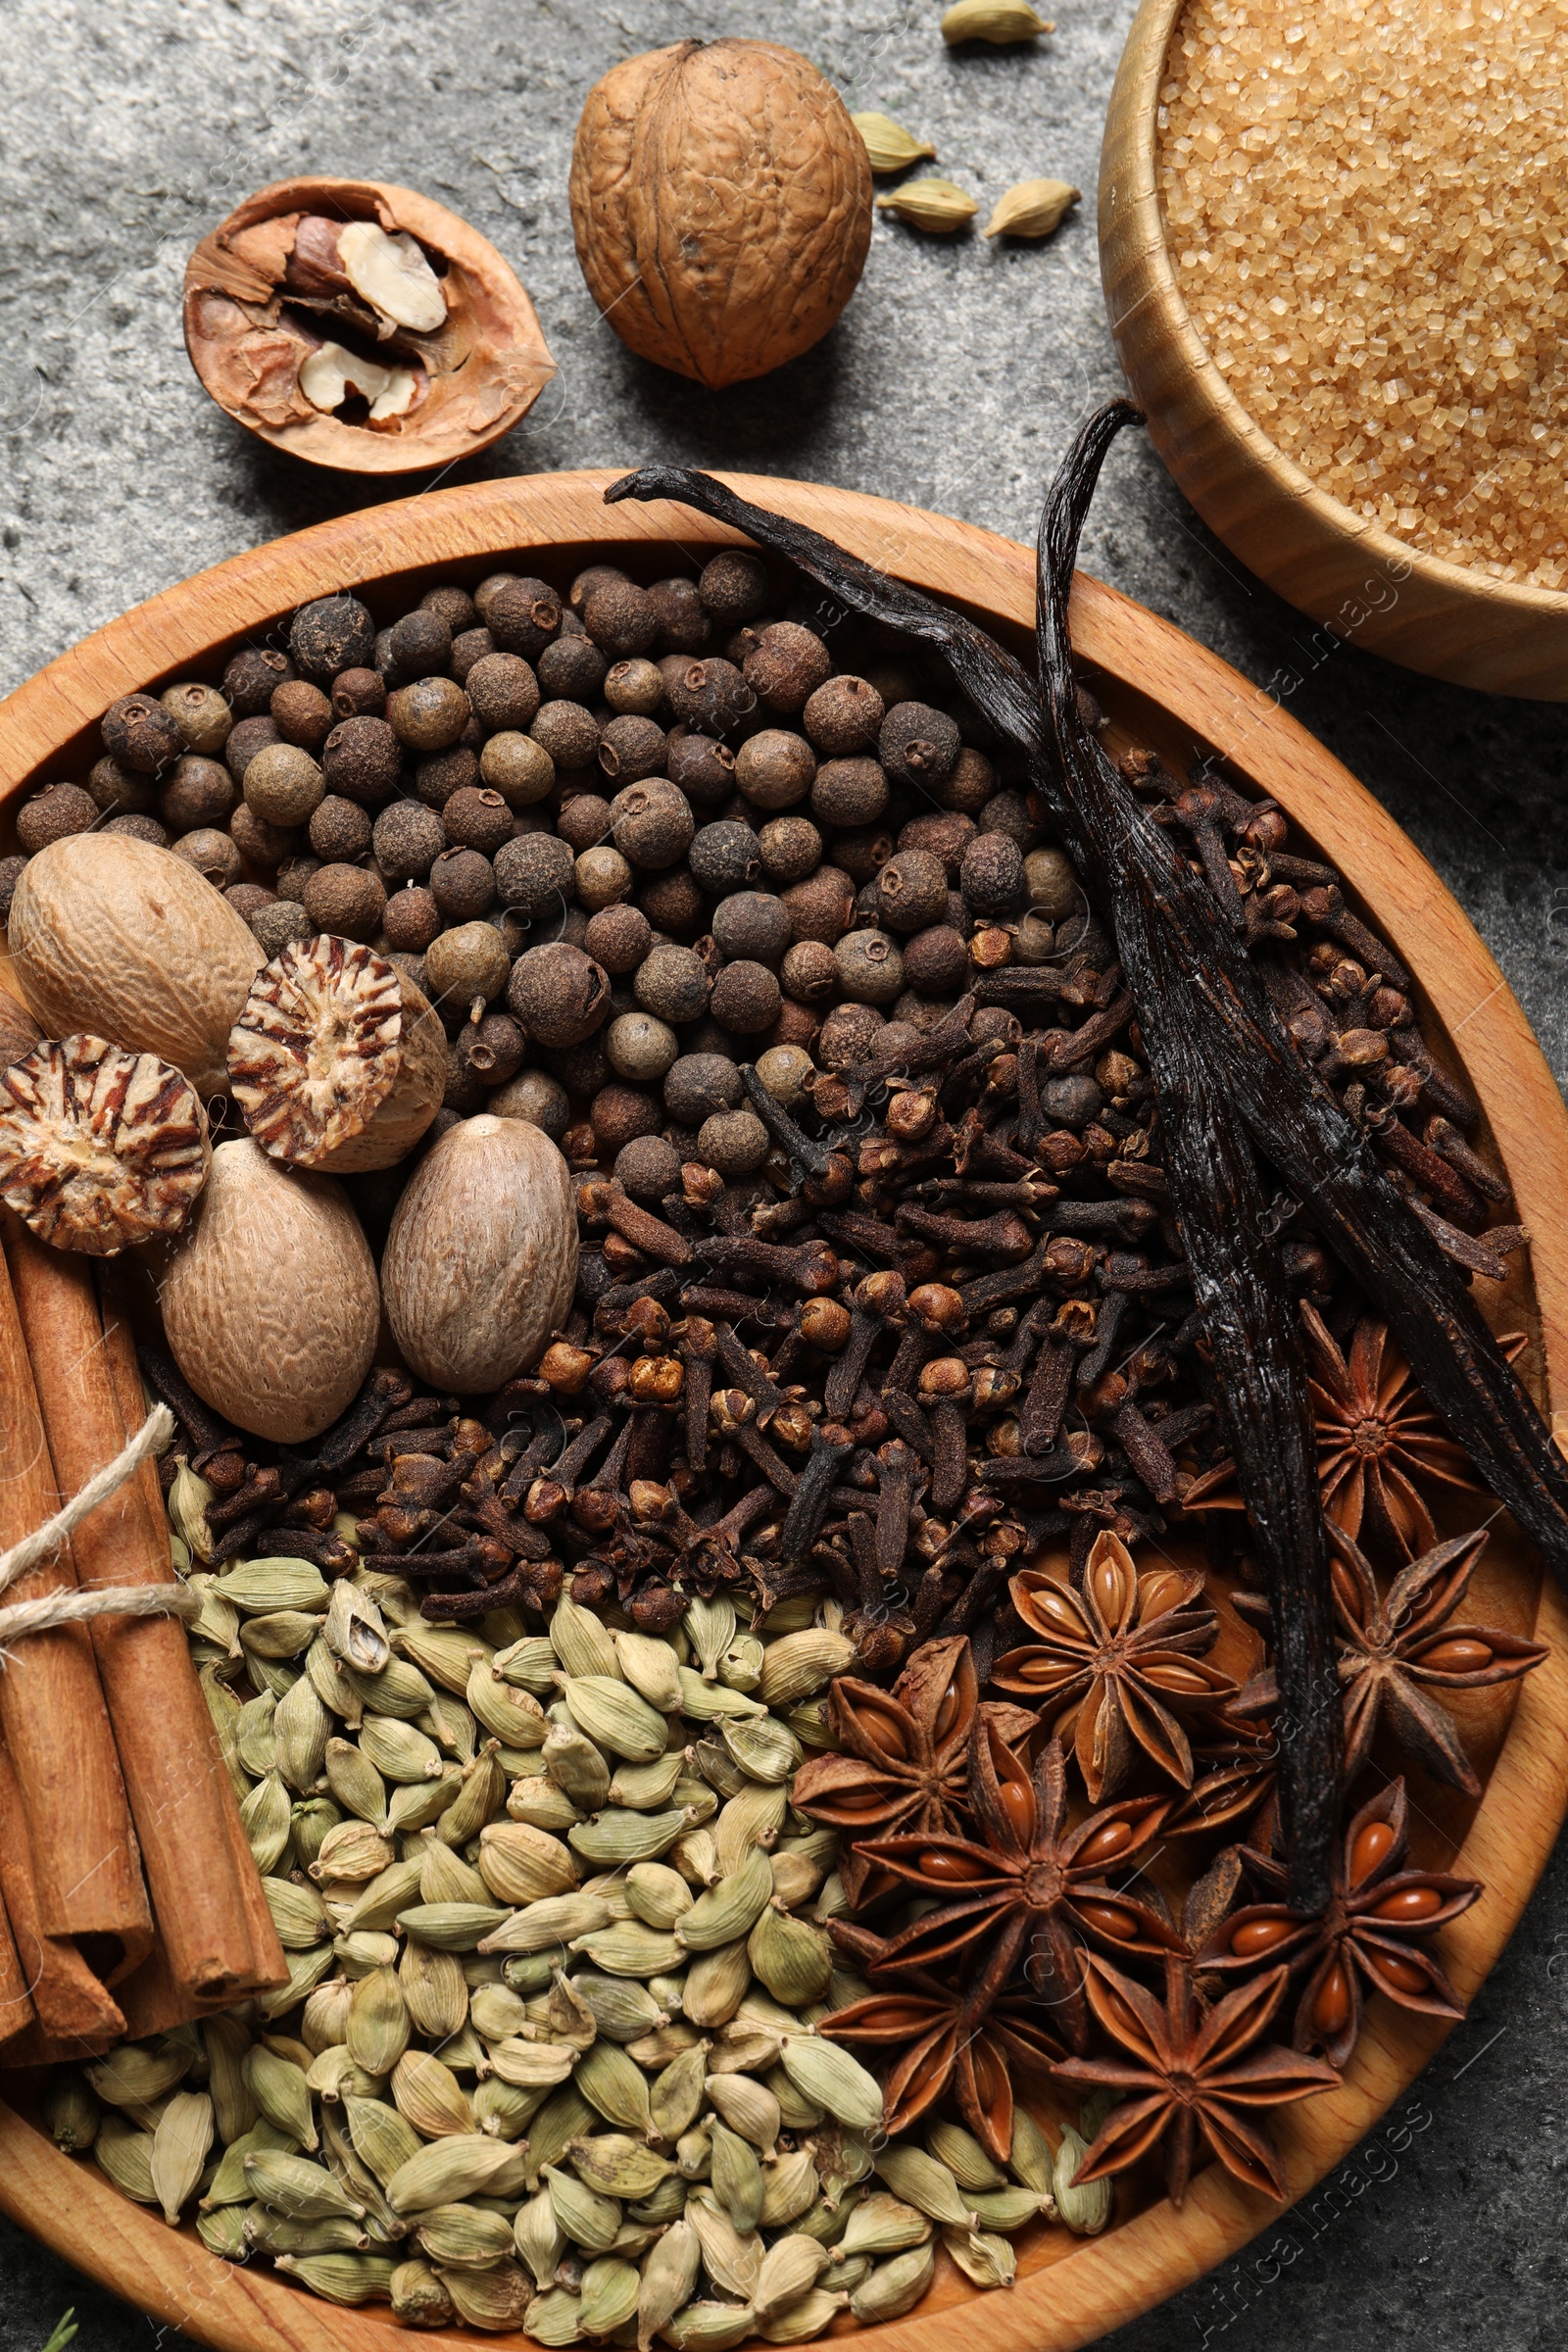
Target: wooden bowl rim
point(1140, 75)
point(1065, 2299)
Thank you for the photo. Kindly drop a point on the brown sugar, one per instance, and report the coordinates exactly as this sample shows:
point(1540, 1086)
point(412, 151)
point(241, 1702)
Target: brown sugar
point(1367, 212)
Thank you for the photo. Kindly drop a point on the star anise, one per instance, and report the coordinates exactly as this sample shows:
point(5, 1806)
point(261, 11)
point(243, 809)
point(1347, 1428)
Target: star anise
point(1035, 1890)
point(1113, 1661)
point(1376, 1437)
point(1394, 1648)
point(1377, 1913)
point(943, 2037)
point(1235, 1780)
point(1191, 2075)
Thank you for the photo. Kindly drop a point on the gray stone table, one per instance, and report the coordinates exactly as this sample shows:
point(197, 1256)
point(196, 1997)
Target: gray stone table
point(128, 126)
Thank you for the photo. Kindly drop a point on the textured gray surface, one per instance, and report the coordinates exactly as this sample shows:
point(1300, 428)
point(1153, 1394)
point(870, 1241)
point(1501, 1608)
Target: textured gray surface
point(128, 126)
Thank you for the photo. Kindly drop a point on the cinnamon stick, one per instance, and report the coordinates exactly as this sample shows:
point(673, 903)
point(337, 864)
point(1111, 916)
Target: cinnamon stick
point(17, 2012)
point(68, 1806)
point(175, 1779)
point(71, 2005)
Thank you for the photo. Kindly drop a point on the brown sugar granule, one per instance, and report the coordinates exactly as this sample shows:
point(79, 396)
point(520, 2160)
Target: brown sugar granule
point(1367, 211)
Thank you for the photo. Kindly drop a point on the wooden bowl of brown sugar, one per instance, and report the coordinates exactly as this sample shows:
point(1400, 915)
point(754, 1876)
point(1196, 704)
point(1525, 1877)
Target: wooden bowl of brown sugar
point(1341, 323)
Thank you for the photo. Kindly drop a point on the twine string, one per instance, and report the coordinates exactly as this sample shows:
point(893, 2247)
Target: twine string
point(74, 1605)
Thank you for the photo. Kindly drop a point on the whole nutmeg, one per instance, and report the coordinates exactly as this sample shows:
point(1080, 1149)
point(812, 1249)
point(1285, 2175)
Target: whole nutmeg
point(348, 901)
point(640, 1046)
point(335, 632)
point(481, 1260)
point(992, 875)
point(201, 713)
point(141, 734)
point(600, 877)
point(212, 853)
point(734, 1142)
point(269, 1300)
point(752, 924)
point(408, 839)
point(429, 714)
point(619, 938)
point(533, 874)
point(811, 973)
point(709, 695)
point(53, 814)
point(127, 942)
point(870, 967)
point(671, 982)
point(775, 768)
point(821, 907)
point(651, 822)
point(467, 961)
point(534, 1095)
point(283, 784)
point(302, 714)
point(196, 792)
point(340, 830)
point(733, 586)
point(841, 716)
point(560, 995)
point(700, 1085)
point(918, 743)
point(721, 204)
point(912, 891)
point(790, 848)
point(362, 759)
point(787, 666)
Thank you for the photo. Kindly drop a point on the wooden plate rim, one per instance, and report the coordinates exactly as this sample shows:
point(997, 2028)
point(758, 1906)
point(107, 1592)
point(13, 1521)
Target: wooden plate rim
point(1101, 2283)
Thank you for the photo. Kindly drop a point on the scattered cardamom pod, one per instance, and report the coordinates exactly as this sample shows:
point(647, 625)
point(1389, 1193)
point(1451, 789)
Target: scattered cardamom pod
point(997, 21)
point(937, 206)
point(890, 147)
point(1034, 208)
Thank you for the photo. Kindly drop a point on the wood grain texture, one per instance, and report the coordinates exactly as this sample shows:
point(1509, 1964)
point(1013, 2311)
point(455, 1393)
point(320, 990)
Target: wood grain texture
point(1444, 619)
point(1160, 688)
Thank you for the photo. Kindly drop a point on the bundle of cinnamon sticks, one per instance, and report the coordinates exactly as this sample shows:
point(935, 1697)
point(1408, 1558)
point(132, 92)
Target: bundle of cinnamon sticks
point(128, 1900)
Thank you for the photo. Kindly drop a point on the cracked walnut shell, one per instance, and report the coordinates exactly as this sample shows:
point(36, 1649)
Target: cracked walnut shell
point(722, 202)
point(337, 1061)
point(99, 1149)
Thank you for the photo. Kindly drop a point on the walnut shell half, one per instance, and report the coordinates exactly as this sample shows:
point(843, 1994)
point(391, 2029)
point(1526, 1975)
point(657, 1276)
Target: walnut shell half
point(339, 272)
point(337, 1061)
point(99, 1149)
point(721, 201)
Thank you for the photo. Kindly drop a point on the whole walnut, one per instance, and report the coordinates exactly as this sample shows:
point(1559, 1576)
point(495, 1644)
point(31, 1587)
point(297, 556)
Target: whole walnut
point(722, 202)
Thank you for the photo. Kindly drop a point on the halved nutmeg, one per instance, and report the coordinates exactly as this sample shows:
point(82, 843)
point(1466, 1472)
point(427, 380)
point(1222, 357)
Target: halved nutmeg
point(99, 1149)
point(337, 1061)
point(362, 326)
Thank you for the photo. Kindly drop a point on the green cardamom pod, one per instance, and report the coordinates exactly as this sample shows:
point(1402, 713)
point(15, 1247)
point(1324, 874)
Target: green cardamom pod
point(1034, 208)
point(618, 1837)
point(938, 207)
point(997, 21)
point(790, 2188)
point(966, 2159)
point(882, 2224)
point(555, 2318)
point(463, 2236)
point(444, 1652)
point(497, 2300)
point(735, 2175)
point(1084, 2207)
point(669, 2275)
point(827, 2074)
point(449, 2171)
point(619, 2167)
point(616, 2086)
point(610, 2290)
point(293, 2186)
point(675, 2097)
point(894, 2288)
point(731, 2257)
point(802, 1664)
point(346, 2278)
point(179, 2156)
point(889, 146)
point(418, 2298)
point(260, 1586)
point(282, 2094)
point(519, 1864)
point(382, 2140)
point(585, 2216)
point(711, 2327)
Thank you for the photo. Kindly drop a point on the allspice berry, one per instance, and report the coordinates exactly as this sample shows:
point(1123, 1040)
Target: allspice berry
point(467, 961)
point(864, 851)
point(734, 1142)
point(518, 768)
point(785, 1071)
point(334, 633)
point(641, 1047)
point(600, 877)
point(246, 897)
point(820, 908)
point(968, 784)
point(408, 840)
point(140, 829)
point(412, 919)
point(429, 714)
point(584, 821)
point(775, 768)
point(811, 973)
point(849, 792)
point(121, 788)
point(724, 856)
point(362, 759)
point(745, 998)
point(303, 715)
point(709, 695)
point(673, 983)
point(477, 819)
point(502, 692)
point(733, 586)
point(912, 891)
point(790, 848)
point(463, 884)
point(443, 773)
point(620, 617)
point(619, 1113)
point(935, 960)
point(700, 1085)
point(752, 924)
point(673, 902)
point(210, 852)
point(537, 1097)
point(348, 901)
point(196, 792)
point(421, 643)
point(58, 809)
point(870, 967)
point(339, 830)
point(651, 822)
point(947, 835)
point(523, 616)
point(848, 1036)
point(787, 666)
point(630, 747)
point(141, 734)
point(201, 716)
point(843, 716)
point(533, 874)
point(278, 923)
point(573, 669)
point(918, 743)
point(251, 679)
point(493, 1048)
point(1009, 812)
point(633, 688)
point(992, 876)
point(11, 873)
point(283, 784)
point(684, 627)
point(259, 843)
point(359, 693)
point(648, 1167)
point(568, 732)
point(454, 605)
point(619, 938)
point(560, 995)
point(701, 766)
point(249, 737)
point(1052, 880)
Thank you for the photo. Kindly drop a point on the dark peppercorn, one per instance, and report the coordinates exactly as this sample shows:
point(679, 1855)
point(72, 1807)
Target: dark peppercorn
point(593, 575)
point(278, 922)
point(992, 877)
point(411, 920)
point(810, 972)
point(699, 1086)
point(359, 693)
point(724, 856)
point(733, 586)
point(863, 853)
point(140, 829)
point(568, 732)
point(847, 1036)
point(493, 1048)
point(849, 792)
point(581, 1069)
point(620, 617)
point(703, 768)
point(750, 925)
point(248, 898)
point(339, 830)
point(408, 839)
point(935, 960)
point(821, 907)
point(58, 809)
point(362, 759)
point(121, 788)
point(796, 1025)
point(631, 748)
point(585, 819)
point(141, 734)
point(429, 714)
point(454, 605)
point(560, 995)
point(946, 835)
point(968, 784)
point(673, 983)
point(1071, 1101)
point(775, 768)
point(619, 938)
point(745, 998)
point(196, 792)
point(251, 736)
point(259, 843)
point(293, 872)
point(10, 872)
point(1009, 812)
point(463, 884)
point(437, 778)
point(570, 670)
point(651, 822)
point(683, 626)
point(346, 900)
point(468, 649)
point(533, 874)
point(388, 669)
point(303, 715)
point(648, 1167)
point(252, 677)
point(475, 819)
point(912, 891)
point(464, 1092)
point(673, 902)
point(788, 666)
point(619, 1114)
point(522, 616)
point(710, 696)
point(918, 743)
point(790, 848)
point(421, 644)
point(334, 633)
point(211, 852)
point(503, 690)
point(843, 716)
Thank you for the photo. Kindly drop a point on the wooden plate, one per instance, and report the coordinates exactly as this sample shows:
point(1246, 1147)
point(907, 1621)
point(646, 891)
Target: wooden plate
point(1447, 620)
point(1161, 689)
